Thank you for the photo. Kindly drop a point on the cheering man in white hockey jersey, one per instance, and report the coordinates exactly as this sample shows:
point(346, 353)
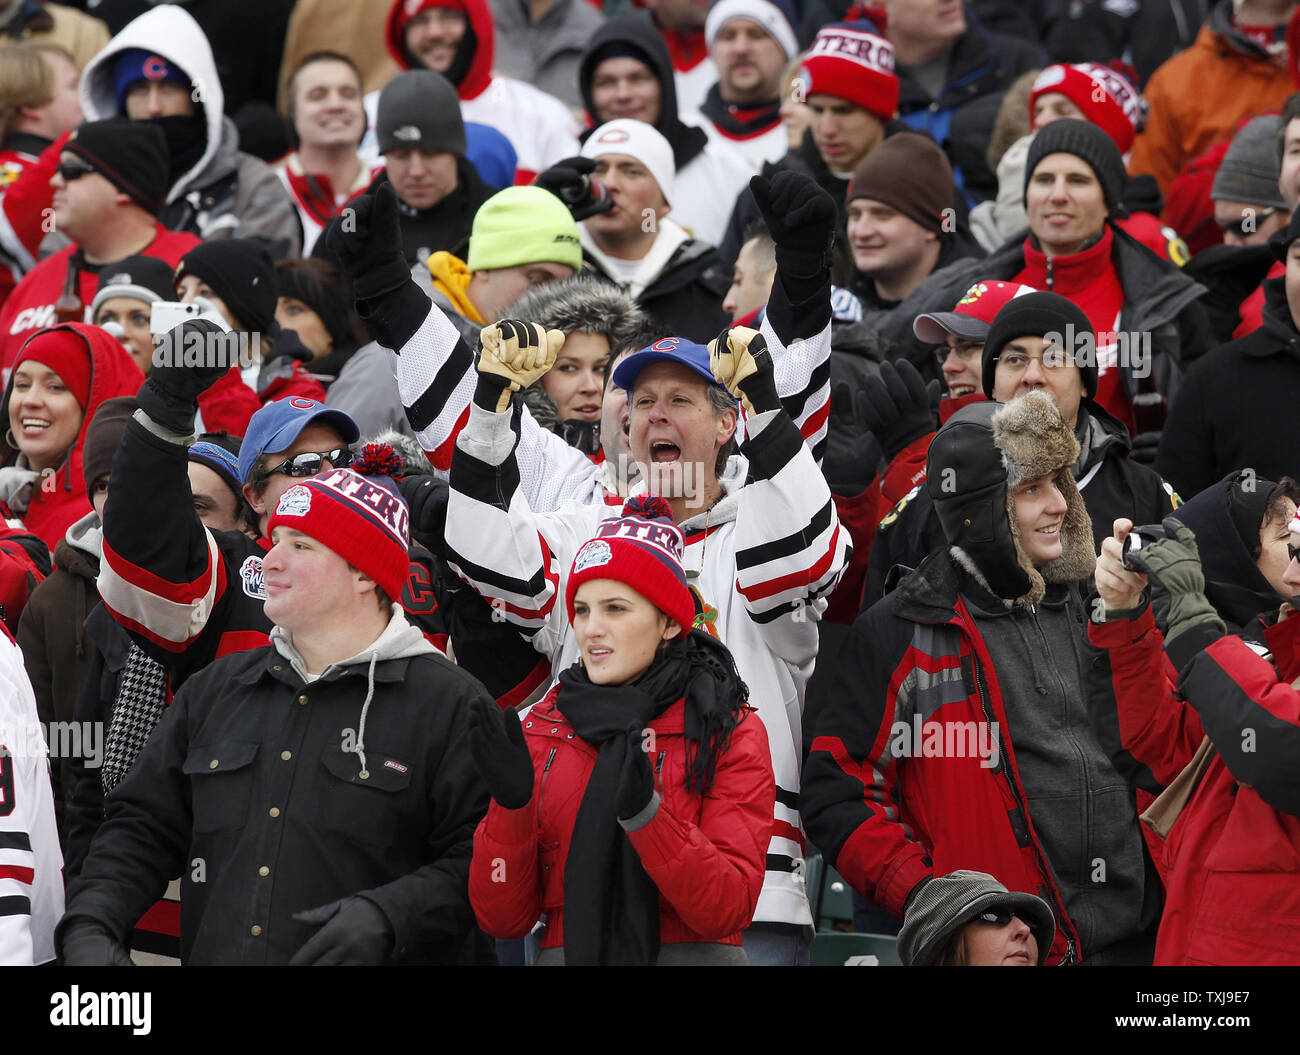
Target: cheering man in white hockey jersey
point(31, 865)
point(759, 555)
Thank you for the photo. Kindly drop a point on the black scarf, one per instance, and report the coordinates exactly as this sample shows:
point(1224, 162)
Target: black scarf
point(611, 907)
point(740, 121)
point(187, 139)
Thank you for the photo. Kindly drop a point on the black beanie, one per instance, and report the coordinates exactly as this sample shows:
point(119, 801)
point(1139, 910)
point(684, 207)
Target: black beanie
point(131, 155)
point(1084, 140)
point(240, 272)
point(419, 110)
point(1248, 499)
point(299, 280)
point(1280, 242)
point(104, 436)
point(142, 277)
point(1037, 315)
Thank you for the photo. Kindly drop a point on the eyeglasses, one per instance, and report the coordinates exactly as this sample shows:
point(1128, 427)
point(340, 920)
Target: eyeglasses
point(966, 350)
point(999, 916)
point(74, 170)
point(1051, 359)
point(1293, 552)
point(310, 464)
point(1246, 225)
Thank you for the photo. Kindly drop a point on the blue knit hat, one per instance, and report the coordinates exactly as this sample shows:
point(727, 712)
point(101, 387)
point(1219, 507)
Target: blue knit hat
point(135, 65)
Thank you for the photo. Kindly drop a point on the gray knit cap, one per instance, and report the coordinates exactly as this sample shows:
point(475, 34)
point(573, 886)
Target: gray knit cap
point(419, 110)
point(948, 902)
point(1250, 168)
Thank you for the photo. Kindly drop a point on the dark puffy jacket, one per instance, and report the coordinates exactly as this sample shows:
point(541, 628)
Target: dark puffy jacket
point(1236, 407)
point(1149, 33)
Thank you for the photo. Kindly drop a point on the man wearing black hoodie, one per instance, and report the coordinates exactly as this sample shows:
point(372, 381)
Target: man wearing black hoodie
point(626, 72)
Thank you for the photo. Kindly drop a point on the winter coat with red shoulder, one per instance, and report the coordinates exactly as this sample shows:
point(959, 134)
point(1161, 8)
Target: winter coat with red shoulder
point(705, 854)
point(1232, 857)
point(59, 501)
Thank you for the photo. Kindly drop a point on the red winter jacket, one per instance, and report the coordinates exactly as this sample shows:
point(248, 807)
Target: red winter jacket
point(30, 306)
point(706, 855)
point(1232, 859)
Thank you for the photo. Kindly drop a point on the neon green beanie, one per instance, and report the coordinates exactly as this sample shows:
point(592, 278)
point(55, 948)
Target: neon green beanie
point(523, 225)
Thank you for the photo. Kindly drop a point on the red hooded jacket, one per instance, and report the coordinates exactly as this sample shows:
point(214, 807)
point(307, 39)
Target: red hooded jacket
point(60, 500)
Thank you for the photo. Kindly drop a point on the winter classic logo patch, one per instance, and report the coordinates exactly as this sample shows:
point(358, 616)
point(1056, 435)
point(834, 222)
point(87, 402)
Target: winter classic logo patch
point(295, 502)
point(593, 555)
point(251, 575)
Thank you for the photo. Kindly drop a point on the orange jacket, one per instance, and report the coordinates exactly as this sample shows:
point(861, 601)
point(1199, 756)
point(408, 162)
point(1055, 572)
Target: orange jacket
point(1201, 95)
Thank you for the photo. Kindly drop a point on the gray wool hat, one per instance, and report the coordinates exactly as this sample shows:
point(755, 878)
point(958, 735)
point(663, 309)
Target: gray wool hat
point(1086, 141)
point(419, 110)
point(948, 902)
point(1250, 168)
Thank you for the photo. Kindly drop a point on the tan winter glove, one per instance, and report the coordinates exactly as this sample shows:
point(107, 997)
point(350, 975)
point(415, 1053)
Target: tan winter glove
point(513, 355)
point(743, 366)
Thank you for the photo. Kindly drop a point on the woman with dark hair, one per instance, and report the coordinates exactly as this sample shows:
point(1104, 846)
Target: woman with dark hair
point(598, 321)
point(316, 303)
point(632, 811)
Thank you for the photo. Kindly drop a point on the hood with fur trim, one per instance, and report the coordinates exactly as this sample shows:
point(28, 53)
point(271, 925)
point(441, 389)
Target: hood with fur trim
point(977, 460)
point(172, 32)
point(584, 303)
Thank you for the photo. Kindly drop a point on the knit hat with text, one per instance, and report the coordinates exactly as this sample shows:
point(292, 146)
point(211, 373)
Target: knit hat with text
point(359, 513)
point(643, 549)
point(852, 60)
point(1106, 97)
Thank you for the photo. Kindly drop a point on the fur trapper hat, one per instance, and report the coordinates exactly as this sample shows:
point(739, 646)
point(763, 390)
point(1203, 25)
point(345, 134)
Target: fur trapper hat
point(977, 460)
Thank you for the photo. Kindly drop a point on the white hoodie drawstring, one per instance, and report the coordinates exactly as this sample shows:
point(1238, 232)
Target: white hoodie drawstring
point(365, 707)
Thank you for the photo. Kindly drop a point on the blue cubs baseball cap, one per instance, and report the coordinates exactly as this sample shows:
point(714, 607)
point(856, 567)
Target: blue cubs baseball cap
point(668, 350)
point(276, 426)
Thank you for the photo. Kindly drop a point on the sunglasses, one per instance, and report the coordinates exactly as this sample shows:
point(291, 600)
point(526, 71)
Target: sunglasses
point(74, 170)
point(1293, 552)
point(999, 916)
point(310, 464)
point(1247, 225)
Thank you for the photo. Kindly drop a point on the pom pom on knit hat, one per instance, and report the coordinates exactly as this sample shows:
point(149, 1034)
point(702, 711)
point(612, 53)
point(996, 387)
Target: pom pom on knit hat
point(642, 548)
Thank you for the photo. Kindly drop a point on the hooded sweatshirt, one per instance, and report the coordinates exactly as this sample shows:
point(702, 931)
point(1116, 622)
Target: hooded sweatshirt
point(225, 193)
point(53, 507)
point(710, 174)
point(539, 126)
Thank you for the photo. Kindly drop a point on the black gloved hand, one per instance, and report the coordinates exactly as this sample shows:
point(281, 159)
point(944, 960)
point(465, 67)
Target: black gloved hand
point(366, 238)
point(355, 931)
point(800, 216)
point(87, 943)
point(636, 785)
point(570, 181)
point(1145, 446)
point(170, 396)
point(426, 497)
point(501, 756)
point(898, 407)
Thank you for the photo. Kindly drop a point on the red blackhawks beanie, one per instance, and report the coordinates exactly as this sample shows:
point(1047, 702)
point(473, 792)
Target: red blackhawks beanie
point(362, 518)
point(853, 61)
point(643, 549)
point(1106, 97)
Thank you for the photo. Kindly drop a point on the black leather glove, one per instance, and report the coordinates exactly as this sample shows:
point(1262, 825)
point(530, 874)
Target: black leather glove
point(171, 394)
point(426, 497)
point(87, 943)
point(366, 238)
point(800, 216)
point(1145, 446)
point(898, 407)
point(636, 785)
point(570, 181)
point(353, 930)
point(501, 756)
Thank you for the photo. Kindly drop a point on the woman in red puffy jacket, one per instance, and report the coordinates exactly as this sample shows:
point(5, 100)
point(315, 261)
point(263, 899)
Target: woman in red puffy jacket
point(631, 813)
